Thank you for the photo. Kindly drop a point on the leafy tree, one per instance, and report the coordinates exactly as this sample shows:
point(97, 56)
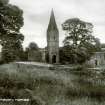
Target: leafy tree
point(34, 53)
point(79, 42)
point(33, 46)
point(11, 21)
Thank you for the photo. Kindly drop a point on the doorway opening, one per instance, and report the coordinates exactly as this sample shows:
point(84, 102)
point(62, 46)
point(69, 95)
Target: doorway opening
point(54, 59)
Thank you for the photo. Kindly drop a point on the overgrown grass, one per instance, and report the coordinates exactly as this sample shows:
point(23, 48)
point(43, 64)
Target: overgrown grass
point(51, 87)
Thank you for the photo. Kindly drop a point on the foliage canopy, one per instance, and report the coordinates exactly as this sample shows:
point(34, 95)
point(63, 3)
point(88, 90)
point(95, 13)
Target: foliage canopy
point(11, 21)
point(79, 43)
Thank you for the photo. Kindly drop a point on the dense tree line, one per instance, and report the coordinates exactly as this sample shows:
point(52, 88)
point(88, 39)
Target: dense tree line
point(79, 43)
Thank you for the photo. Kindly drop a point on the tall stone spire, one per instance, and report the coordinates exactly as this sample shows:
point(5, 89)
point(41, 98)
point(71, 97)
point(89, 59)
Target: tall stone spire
point(52, 23)
point(53, 40)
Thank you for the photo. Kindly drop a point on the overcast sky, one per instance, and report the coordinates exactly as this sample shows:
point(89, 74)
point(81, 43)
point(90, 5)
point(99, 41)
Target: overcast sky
point(37, 14)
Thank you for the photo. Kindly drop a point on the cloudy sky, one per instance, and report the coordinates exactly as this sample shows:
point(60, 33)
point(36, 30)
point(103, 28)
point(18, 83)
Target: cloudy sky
point(37, 14)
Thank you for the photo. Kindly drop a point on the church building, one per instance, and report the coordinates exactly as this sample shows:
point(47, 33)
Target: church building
point(49, 54)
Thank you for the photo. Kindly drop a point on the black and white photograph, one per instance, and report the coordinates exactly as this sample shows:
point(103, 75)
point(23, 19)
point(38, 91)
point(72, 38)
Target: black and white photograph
point(52, 52)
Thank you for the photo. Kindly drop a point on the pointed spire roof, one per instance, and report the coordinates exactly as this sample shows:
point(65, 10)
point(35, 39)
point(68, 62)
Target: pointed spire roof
point(52, 23)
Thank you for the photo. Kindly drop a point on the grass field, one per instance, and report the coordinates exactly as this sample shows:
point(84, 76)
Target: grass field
point(52, 87)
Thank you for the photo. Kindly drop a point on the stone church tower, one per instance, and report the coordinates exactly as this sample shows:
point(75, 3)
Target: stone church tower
point(53, 40)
